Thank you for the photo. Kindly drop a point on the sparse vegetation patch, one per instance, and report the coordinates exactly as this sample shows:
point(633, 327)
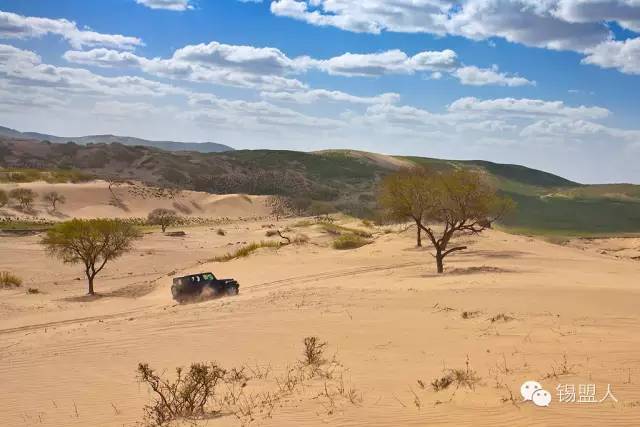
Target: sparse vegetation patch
point(246, 250)
point(349, 241)
point(9, 280)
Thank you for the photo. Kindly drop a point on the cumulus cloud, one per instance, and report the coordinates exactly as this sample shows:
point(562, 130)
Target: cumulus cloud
point(177, 5)
point(213, 109)
point(217, 63)
point(474, 76)
point(388, 62)
point(23, 69)
point(524, 107)
point(622, 55)
point(315, 95)
point(576, 25)
point(14, 26)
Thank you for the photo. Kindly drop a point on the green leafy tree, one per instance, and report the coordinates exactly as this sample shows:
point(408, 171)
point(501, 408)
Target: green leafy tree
point(459, 201)
point(92, 243)
point(162, 217)
point(407, 195)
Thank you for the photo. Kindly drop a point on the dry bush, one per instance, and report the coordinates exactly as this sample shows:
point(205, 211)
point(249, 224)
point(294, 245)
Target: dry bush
point(349, 241)
point(9, 280)
point(271, 233)
point(300, 239)
point(189, 396)
point(221, 232)
point(561, 368)
point(501, 317)
point(339, 230)
point(469, 314)
point(313, 351)
point(466, 377)
point(33, 291)
point(246, 250)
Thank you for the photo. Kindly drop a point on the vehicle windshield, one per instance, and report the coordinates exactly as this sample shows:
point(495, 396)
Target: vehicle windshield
point(208, 276)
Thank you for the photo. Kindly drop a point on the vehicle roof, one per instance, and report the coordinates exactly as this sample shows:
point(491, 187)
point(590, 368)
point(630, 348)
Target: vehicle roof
point(196, 274)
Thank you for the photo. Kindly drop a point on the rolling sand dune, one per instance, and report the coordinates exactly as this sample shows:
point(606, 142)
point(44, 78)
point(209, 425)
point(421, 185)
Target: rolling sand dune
point(95, 199)
point(570, 316)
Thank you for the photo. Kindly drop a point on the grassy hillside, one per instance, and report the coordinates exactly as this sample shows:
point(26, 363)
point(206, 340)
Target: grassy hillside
point(346, 179)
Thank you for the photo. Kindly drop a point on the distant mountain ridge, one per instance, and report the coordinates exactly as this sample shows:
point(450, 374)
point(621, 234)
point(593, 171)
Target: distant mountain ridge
point(201, 147)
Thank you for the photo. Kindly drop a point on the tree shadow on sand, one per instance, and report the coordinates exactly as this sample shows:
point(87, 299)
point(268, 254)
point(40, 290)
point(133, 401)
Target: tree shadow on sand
point(135, 290)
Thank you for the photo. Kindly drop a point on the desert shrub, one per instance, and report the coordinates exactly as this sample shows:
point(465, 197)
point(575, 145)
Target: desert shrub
point(313, 351)
point(189, 396)
point(221, 232)
point(4, 198)
point(349, 241)
point(465, 377)
point(54, 198)
point(469, 314)
point(246, 250)
point(271, 233)
point(162, 217)
point(33, 291)
point(300, 239)
point(24, 197)
point(339, 230)
point(367, 223)
point(501, 317)
point(9, 280)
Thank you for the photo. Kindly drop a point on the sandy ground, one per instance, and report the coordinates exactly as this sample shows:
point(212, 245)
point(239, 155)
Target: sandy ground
point(95, 199)
point(389, 320)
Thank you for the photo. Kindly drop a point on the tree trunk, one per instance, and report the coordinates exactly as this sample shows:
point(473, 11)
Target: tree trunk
point(164, 227)
point(439, 262)
point(91, 285)
point(419, 236)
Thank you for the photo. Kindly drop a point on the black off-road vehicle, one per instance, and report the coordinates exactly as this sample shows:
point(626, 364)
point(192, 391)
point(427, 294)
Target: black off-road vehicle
point(202, 285)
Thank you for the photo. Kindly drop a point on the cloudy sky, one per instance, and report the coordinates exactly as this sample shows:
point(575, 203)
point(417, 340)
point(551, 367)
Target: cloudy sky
point(551, 84)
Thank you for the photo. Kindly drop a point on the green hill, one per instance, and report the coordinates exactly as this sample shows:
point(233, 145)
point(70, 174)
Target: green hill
point(346, 179)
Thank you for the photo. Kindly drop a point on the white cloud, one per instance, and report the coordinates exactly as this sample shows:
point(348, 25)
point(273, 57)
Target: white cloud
point(104, 58)
point(474, 76)
point(388, 62)
point(212, 109)
point(23, 69)
point(370, 16)
point(21, 27)
point(623, 55)
point(316, 95)
point(562, 129)
point(216, 63)
point(176, 5)
point(524, 107)
point(577, 25)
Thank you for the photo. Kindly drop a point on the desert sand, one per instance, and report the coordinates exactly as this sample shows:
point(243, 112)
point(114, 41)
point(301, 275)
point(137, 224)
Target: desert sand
point(570, 317)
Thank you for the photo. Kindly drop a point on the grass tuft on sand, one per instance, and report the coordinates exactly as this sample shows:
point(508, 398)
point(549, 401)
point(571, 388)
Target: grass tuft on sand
point(349, 241)
point(339, 230)
point(246, 250)
point(9, 280)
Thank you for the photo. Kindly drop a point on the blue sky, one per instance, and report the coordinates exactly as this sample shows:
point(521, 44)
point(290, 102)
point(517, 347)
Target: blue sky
point(552, 85)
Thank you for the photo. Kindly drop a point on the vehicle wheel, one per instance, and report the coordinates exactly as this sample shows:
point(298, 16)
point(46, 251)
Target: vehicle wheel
point(232, 291)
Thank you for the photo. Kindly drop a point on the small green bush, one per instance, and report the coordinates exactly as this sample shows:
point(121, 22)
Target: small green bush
point(339, 230)
point(246, 250)
point(349, 241)
point(9, 280)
